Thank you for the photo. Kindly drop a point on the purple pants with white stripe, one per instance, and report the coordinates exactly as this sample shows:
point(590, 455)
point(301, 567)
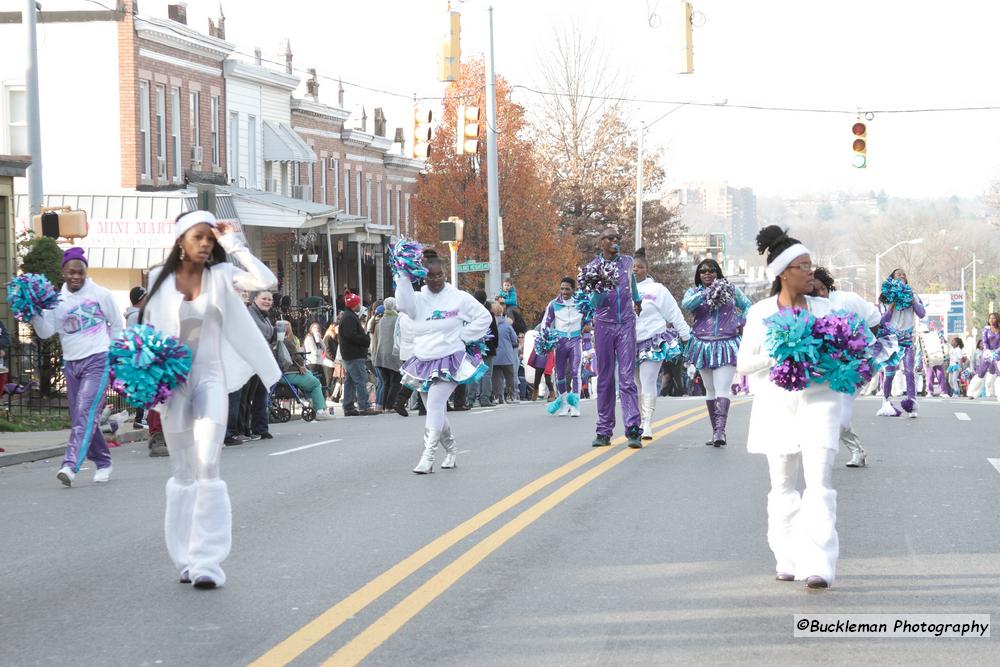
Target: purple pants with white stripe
point(567, 368)
point(86, 382)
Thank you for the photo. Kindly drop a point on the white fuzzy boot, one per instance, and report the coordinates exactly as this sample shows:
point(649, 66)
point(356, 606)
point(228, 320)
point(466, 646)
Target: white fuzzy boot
point(177, 521)
point(211, 533)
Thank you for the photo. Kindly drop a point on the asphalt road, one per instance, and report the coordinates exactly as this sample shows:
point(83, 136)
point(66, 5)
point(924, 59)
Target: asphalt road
point(537, 550)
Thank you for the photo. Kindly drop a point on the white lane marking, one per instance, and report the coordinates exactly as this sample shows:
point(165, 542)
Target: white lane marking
point(963, 417)
point(483, 412)
point(996, 463)
point(299, 449)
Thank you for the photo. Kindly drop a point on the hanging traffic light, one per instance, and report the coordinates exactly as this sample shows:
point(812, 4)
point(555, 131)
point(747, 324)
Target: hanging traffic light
point(860, 145)
point(687, 39)
point(451, 50)
point(466, 130)
point(422, 133)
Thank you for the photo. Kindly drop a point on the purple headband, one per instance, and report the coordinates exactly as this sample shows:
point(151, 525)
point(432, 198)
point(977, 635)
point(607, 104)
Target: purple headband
point(74, 253)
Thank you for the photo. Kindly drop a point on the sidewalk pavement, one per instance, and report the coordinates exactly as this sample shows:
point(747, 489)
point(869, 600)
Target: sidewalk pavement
point(37, 445)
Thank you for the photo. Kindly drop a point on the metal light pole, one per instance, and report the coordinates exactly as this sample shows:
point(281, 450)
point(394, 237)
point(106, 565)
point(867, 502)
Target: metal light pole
point(880, 255)
point(638, 189)
point(492, 179)
point(35, 189)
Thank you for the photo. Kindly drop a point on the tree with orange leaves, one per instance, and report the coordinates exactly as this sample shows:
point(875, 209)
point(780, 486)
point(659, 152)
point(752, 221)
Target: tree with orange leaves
point(535, 254)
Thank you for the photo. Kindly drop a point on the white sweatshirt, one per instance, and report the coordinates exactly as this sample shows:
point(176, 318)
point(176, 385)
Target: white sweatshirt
point(85, 320)
point(853, 303)
point(659, 308)
point(442, 323)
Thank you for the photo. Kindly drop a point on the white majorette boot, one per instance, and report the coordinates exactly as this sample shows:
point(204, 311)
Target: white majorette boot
point(431, 439)
point(647, 404)
point(211, 534)
point(573, 404)
point(853, 443)
point(450, 448)
point(887, 409)
point(555, 406)
point(177, 522)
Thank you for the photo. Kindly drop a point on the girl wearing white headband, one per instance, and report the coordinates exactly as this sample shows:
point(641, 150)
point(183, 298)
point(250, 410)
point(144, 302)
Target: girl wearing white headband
point(797, 430)
point(193, 296)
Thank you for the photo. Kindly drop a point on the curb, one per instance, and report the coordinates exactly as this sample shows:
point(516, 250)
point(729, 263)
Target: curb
point(16, 458)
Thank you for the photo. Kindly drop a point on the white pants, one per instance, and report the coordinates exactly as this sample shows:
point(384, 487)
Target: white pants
point(647, 372)
point(718, 381)
point(801, 528)
point(846, 409)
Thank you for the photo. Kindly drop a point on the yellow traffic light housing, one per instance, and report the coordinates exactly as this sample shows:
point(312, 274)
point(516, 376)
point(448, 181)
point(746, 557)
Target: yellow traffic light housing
point(449, 67)
point(422, 133)
point(687, 39)
point(860, 145)
point(466, 130)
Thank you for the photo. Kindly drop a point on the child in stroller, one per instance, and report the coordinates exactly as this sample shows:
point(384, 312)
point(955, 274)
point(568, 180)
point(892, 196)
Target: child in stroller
point(283, 393)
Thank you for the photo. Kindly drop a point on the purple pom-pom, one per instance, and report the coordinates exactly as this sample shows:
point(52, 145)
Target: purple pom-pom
point(908, 404)
point(719, 293)
point(599, 276)
point(790, 375)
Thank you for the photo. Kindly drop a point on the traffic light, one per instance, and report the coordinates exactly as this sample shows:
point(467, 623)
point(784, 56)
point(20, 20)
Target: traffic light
point(422, 133)
point(451, 50)
point(860, 145)
point(687, 40)
point(466, 130)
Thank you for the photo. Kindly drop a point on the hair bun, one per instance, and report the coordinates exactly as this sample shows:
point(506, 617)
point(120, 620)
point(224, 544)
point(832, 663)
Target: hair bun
point(768, 237)
point(640, 252)
point(430, 253)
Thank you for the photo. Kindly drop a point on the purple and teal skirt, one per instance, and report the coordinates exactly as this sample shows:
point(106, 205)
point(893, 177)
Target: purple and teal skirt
point(663, 346)
point(988, 363)
point(712, 353)
point(460, 368)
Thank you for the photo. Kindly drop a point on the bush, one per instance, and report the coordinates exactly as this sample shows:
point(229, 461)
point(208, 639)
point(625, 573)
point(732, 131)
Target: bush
point(44, 257)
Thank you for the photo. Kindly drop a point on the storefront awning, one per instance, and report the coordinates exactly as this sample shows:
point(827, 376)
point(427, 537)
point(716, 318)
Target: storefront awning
point(283, 144)
point(129, 230)
point(266, 209)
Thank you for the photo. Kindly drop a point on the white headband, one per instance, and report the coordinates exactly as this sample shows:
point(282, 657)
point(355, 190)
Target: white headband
point(782, 261)
point(190, 219)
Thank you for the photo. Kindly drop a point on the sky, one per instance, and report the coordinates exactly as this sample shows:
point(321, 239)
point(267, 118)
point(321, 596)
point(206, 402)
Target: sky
point(828, 54)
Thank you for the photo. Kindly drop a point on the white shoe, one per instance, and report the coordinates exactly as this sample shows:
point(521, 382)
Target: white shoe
point(887, 410)
point(66, 475)
point(102, 475)
point(322, 416)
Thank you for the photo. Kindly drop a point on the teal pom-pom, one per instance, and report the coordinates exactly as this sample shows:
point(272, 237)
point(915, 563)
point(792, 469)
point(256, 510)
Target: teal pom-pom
point(406, 256)
point(790, 336)
point(146, 365)
point(29, 294)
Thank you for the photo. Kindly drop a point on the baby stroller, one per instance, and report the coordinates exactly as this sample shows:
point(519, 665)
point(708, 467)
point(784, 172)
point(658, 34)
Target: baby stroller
point(283, 393)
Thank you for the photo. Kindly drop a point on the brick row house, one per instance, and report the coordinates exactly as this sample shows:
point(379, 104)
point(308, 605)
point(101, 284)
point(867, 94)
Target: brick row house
point(167, 111)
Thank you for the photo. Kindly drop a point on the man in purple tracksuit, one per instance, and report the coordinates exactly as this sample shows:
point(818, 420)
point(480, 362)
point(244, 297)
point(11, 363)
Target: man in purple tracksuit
point(614, 343)
point(86, 319)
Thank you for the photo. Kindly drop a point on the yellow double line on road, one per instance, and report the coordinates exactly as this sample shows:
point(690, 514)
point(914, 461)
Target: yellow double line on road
point(373, 636)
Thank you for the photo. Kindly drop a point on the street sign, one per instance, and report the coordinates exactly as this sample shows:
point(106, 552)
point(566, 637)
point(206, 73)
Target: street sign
point(473, 267)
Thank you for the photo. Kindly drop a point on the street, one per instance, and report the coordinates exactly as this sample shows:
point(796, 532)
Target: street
point(537, 550)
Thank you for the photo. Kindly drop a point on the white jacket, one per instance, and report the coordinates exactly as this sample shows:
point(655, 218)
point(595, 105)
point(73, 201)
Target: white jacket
point(783, 422)
point(659, 308)
point(86, 321)
point(442, 323)
point(853, 303)
point(245, 353)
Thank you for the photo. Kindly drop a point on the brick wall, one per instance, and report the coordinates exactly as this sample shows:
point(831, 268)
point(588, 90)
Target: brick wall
point(128, 97)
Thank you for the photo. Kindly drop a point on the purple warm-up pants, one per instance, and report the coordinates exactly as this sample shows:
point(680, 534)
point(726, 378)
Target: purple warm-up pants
point(615, 343)
point(909, 360)
point(86, 382)
point(567, 368)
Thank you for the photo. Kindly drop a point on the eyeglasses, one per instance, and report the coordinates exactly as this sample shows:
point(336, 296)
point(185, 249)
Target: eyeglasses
point(806, 267)
point(706, 270)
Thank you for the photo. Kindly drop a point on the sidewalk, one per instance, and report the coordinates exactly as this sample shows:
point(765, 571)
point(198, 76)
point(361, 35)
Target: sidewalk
point(37, 445)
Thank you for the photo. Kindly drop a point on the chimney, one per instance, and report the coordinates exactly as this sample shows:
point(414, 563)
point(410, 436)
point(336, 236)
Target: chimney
point(221, 30)
point(364, 120)
point(340, 93)
point(288, 56)
point(212, 32)
point(258, 58)
point(178, 12)
point(312, 85)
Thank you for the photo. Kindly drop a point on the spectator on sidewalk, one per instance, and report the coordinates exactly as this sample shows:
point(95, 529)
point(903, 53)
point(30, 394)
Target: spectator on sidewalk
point(4, 350)
point(248, 406)
point(293, 368)
point(385, 357)
point(508, 295)
point(87, 319)
point(504, 379)
point(482, 390)
point(312, 343)
point(354, 344)
point(135, 296)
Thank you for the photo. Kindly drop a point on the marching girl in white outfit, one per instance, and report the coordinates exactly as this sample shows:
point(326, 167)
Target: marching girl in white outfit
point(797, 430)
point(656, 331)
point(444, 320)
point(824, 287)
point(193, 297)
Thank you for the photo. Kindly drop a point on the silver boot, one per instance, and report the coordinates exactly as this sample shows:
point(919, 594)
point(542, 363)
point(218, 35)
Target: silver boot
point(647, 404)
point(853, 443)
point(450, 448)
point(431, 439)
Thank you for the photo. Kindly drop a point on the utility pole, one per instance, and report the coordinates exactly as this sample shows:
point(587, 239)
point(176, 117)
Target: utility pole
point(492, 179)
point(638, 189)
point(35, 189)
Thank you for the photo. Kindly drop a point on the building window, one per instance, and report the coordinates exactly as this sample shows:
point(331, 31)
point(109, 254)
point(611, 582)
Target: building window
point(161, 132)
point(335, 166)
point(194, 116)
point(252, 151)
point(234, 148)
point(216, 157)
point(388, 206)
point(17, 122)
point(308, 168)
point(347, 190)
point(378, 199)
point(144, 145)
point(406, 215)
point(396, 209)
point(175, 129)
point(357, 191)
point(322, 180)
point(368, 198)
